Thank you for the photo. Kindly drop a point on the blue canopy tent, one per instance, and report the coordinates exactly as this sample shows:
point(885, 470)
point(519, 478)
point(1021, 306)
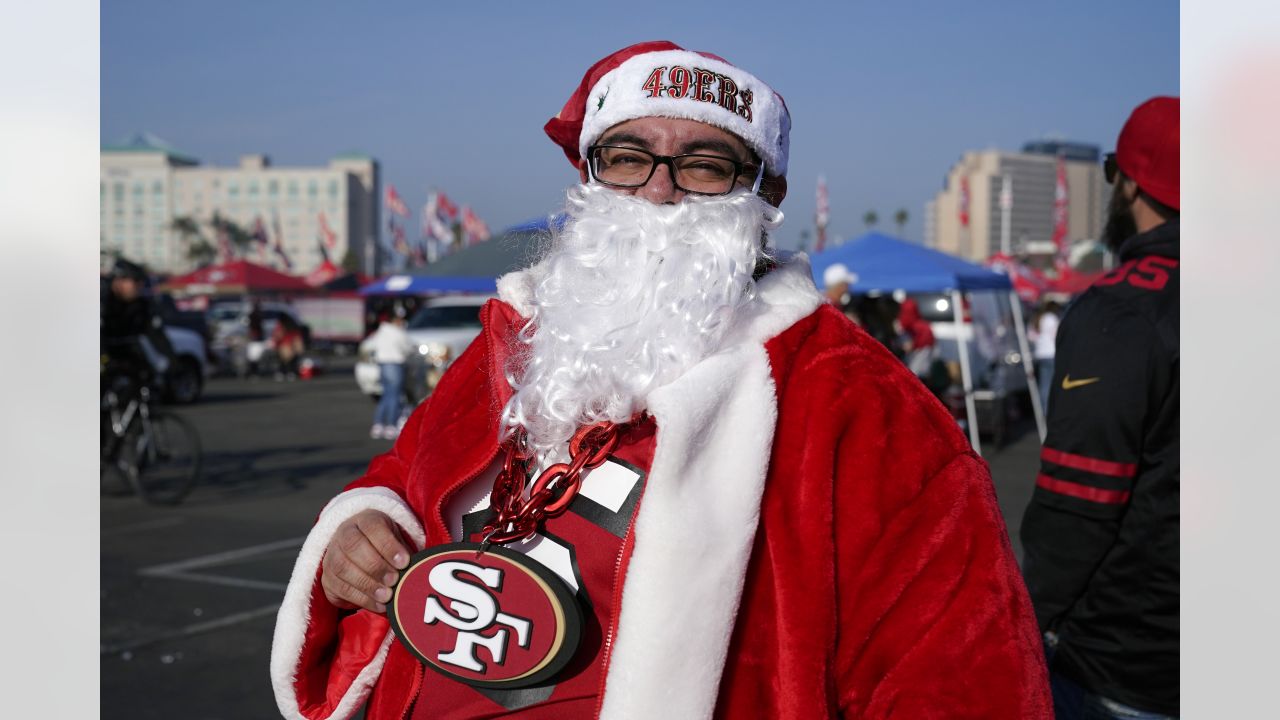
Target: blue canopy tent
point(475, 268)
point(886, 264)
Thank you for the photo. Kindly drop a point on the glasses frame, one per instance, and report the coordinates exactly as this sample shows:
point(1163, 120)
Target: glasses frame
point(739, 168)
point(1110, 168)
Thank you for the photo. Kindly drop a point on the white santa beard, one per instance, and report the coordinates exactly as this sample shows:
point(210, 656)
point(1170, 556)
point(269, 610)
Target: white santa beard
point(628, 296)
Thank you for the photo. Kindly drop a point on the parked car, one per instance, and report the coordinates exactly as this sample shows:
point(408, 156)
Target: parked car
point(185, 383)
point(441, 330)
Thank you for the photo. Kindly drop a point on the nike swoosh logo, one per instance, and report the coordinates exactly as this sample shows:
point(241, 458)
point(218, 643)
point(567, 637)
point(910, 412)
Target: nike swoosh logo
point(1068, 383)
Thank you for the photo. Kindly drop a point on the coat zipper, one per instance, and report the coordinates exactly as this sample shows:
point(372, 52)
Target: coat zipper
point(617, 615)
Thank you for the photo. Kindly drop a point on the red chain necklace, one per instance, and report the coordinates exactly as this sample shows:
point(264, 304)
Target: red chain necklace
point(517, 518)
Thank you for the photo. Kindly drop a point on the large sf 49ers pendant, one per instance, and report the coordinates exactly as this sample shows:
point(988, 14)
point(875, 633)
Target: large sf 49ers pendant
point(492, 619)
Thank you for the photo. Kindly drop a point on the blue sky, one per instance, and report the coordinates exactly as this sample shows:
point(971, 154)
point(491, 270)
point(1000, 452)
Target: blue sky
point(884, 97)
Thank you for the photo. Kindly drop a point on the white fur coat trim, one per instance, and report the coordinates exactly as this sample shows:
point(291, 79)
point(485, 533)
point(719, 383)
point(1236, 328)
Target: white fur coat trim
point(698, 516)
point(621, 95)
point(295, 610)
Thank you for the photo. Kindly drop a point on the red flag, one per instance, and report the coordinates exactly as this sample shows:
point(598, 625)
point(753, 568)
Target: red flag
point(1060, 216)
point(473, 227)
point(447, 209)
point(330, 238)
point(394, 204)
point(964, 201)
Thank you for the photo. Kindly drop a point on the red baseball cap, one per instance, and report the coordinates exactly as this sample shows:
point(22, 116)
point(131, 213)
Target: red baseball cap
point(1148, 149)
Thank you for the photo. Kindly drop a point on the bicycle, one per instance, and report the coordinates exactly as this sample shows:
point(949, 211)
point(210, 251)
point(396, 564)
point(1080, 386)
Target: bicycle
point(158, 452)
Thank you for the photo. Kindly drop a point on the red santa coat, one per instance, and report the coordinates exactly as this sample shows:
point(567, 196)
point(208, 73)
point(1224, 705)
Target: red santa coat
point(816, 539)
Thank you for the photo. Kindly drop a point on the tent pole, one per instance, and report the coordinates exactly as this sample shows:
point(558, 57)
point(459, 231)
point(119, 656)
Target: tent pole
point(1027, 365)
point(966, 376)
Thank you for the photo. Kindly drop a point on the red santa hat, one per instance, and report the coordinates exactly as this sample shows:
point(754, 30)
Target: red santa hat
point(662, 79)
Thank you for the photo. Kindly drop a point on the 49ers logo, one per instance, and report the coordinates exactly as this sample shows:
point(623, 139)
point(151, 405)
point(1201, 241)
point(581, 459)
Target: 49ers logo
point(695, 84)
point(497, 620)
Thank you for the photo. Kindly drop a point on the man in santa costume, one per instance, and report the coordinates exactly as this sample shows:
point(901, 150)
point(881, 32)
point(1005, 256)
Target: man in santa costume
point(667, 480)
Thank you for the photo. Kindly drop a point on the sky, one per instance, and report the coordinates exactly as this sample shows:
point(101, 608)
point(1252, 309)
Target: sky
point(884, 97)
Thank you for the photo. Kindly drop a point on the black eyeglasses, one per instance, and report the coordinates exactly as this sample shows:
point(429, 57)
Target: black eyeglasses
point(1109, 168)
point(630, 167)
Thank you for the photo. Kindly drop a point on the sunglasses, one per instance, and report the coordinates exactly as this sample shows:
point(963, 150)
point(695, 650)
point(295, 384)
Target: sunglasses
point(1110, 169)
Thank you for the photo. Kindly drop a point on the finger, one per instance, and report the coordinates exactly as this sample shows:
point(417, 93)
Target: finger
point(343, 594)
point(382, 533)
point(354, 558)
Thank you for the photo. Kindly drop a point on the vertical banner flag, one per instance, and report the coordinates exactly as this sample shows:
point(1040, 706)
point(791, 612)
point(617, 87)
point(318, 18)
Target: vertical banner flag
point(1060, 217)
point(823, 214)
point(259, 236)
point(279, 248)
point(964, 201)
point(435, 226)
point(399, 243)
point(395, 205)
point(330, 237)
point(225, 252)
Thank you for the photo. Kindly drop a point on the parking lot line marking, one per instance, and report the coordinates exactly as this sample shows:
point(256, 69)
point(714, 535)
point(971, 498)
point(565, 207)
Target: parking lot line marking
point(144, 525)
point(194, 629)
point(225, 580)
point(222, 557)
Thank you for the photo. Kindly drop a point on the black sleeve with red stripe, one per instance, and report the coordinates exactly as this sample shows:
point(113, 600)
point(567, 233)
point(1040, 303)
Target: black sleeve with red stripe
point(1097, 408)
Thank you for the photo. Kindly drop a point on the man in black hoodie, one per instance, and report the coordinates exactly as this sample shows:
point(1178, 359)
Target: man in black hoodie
point(1101, 531)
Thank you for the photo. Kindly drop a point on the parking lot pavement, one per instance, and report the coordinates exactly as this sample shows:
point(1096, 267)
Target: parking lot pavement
point(189, 593)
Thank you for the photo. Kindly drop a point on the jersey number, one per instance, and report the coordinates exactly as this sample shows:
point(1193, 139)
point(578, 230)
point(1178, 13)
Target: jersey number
point(1149, 273)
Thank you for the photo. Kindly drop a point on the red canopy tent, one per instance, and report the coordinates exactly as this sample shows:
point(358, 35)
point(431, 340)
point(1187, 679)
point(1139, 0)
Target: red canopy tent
point(236, 277)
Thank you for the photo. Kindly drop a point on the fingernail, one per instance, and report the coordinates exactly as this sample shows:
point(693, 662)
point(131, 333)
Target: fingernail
point(390, 579)
point(380, 607)
point(382, 594)
point(400, 560)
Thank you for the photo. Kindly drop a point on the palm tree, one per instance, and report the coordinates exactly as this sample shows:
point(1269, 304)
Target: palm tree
point(198, 249)
point(870, 218)
point(900, 219)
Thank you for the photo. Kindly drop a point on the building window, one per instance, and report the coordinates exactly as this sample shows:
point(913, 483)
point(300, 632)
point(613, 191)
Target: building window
point(157, 187)
point(273, 188)
point(312, 189)
point(293, 188)
point(233, 189)
point(333, 188)
point(253, 189)
point(137, 189)
point(118, 191)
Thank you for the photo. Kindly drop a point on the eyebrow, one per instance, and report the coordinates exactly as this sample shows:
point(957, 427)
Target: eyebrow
point(713, 144)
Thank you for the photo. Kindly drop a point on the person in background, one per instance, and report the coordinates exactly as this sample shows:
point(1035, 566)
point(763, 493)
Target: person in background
point(1101, 533)
point(133, 343)
point(391, 347)
point(1044, 333)
point(916, 338)
point(290, 343)
point(257, 340)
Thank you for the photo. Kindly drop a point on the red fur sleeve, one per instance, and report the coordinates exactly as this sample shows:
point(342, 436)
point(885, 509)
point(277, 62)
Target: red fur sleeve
point(934, 619)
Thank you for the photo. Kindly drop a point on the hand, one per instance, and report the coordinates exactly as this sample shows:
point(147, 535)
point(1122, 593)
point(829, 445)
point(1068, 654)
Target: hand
point(361, 561)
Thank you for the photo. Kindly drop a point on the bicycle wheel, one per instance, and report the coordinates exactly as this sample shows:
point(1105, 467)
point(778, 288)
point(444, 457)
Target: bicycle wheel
point(168, 459)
